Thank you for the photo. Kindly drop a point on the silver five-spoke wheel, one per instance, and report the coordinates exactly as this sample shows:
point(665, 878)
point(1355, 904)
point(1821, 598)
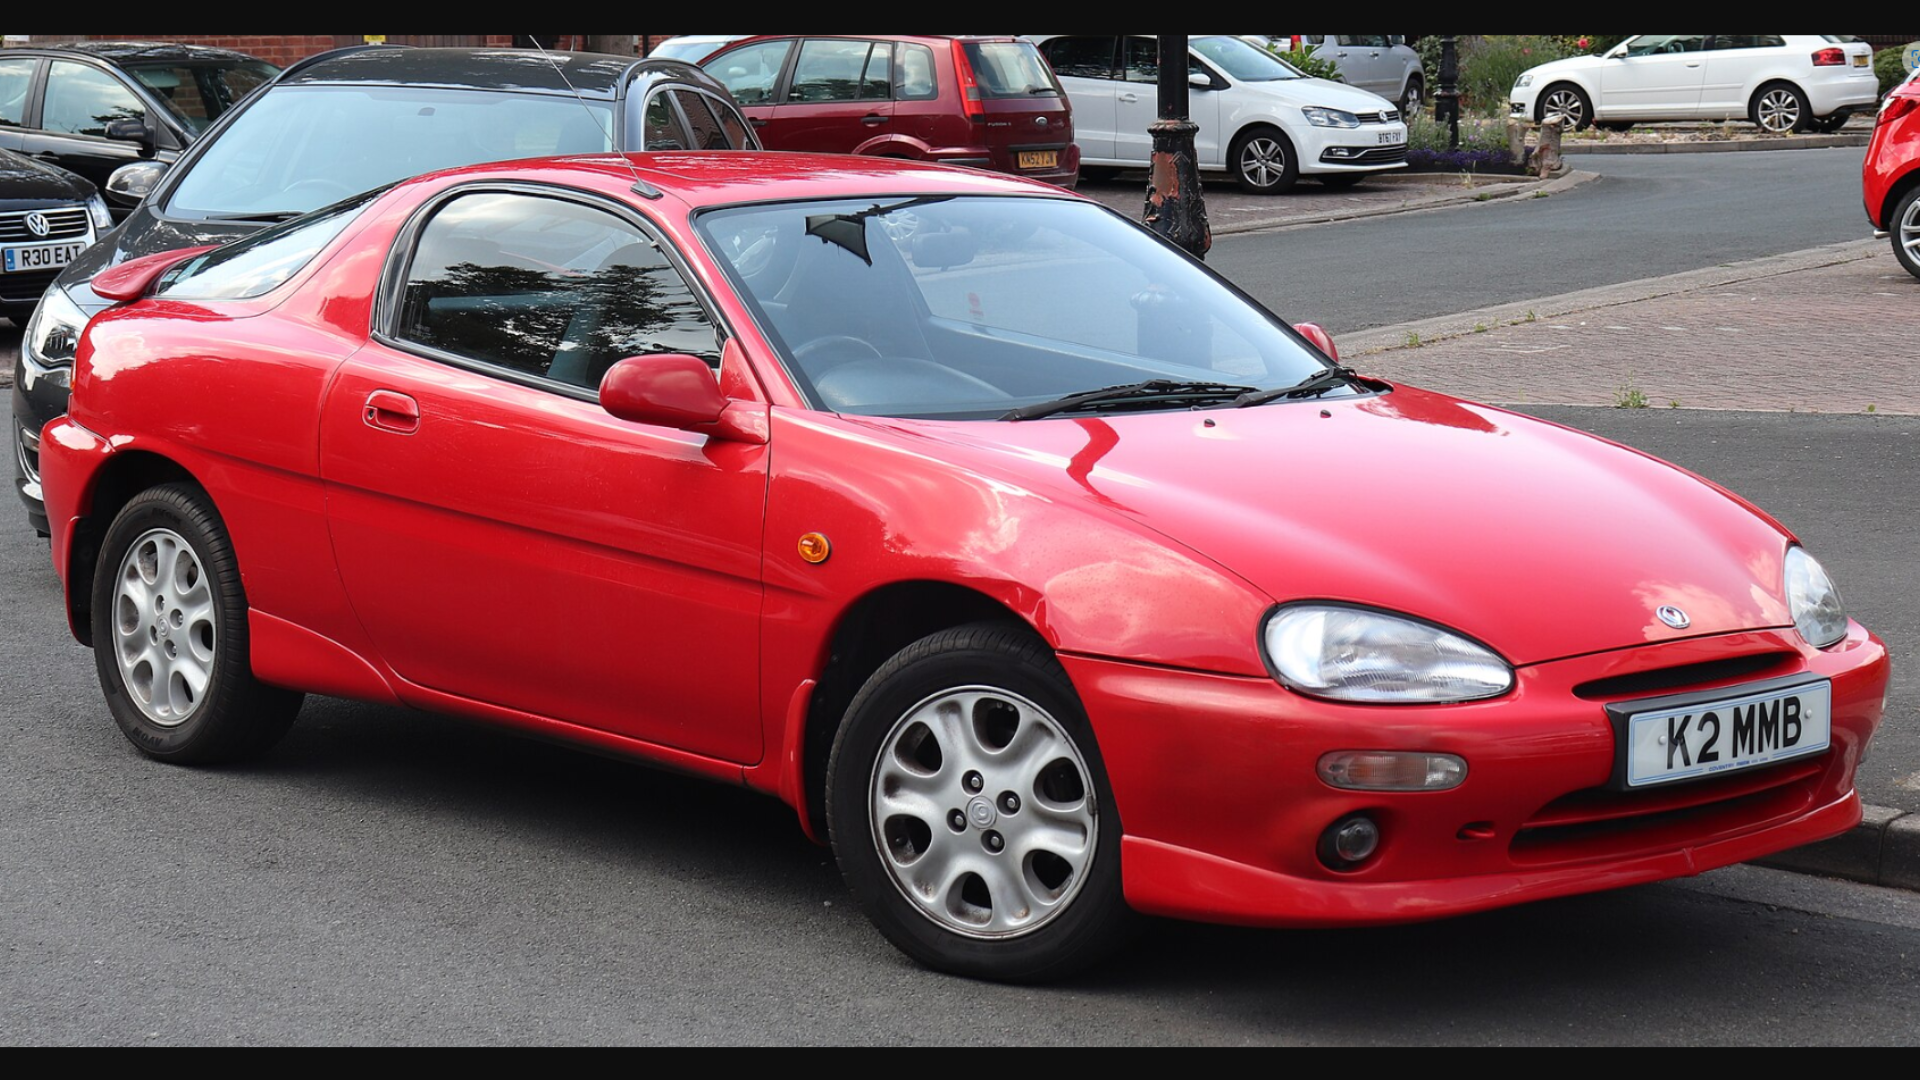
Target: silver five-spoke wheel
point(1263, 161)
point(165, 630)
point(983, 812)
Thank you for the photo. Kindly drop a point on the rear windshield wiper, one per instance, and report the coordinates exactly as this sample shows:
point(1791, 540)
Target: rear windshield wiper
point(1311, 386)
point(1150, 392)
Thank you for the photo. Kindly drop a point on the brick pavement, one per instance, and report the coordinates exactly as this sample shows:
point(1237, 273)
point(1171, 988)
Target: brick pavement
point(1839, 338)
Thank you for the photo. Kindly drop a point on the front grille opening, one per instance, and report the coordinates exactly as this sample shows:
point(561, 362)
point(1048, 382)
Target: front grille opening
point(1642, 683)
point(1608, 824)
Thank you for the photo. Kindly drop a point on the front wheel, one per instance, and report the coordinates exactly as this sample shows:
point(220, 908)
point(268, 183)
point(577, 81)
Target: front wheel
point(1905, 227)
point(1780, 108)
point(1263, 161)
point(970, 813)
point(1569, 103)
point(170, 639)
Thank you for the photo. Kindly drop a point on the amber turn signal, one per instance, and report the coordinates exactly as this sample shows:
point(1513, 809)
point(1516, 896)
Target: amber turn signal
point(814, 548)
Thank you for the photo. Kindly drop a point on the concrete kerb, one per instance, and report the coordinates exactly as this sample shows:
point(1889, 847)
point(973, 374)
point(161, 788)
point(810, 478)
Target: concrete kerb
point(1425, 331)
point(1452, 197)
point(1572, 147)
point(1884, 849)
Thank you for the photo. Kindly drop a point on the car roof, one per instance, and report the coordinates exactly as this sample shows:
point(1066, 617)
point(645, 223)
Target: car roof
point(137, 52)
point(590, 74)
point(721, 178)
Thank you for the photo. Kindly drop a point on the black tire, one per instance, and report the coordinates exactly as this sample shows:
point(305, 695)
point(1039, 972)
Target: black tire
point(994, 659)
point(1099, 173)
point(1904, 224)
point(1832, 123)
point(1614, 125)
point(1262, 161)
point(1567, 99)
point(1411, 98)
point(1779, 108)
point(1341, 180)
point(233, 716)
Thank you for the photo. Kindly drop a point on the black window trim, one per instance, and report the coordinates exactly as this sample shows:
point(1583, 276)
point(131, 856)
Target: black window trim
point(388, 298)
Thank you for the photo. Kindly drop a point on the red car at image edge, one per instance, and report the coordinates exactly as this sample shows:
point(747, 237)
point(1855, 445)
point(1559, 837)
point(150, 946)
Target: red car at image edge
point(1890, 178)
point(1048, 577)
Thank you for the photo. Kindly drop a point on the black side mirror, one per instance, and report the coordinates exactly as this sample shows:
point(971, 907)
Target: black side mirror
point(133, 131)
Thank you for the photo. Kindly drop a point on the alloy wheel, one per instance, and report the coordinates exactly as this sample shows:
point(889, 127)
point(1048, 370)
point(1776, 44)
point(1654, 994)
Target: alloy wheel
point(1566, 105)
point(1910, 232)
point(983, 812)
point(1263, 161)
point(1779, 111)
point(164, 622)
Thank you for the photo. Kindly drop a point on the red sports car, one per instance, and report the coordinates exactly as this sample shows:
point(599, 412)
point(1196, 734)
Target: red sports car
point(1047, 576)
point(1890, 177)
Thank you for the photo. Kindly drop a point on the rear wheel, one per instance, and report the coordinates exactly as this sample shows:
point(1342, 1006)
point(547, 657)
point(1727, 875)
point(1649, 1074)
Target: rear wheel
point(170, 639)
point(1828, 124)
point(970, 813)
point(1904, 224)
point(1262, 161)
point(1614, 125)
point(1411, 99)
point(1780, 108)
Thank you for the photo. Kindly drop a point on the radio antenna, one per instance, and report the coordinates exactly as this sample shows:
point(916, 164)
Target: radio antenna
point(640, 187)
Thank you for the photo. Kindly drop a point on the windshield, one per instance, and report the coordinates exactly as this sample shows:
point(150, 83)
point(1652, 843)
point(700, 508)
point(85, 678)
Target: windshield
point(1241, 61)
point(303, 147)
point(971, 307)
point(258, 264)
point(196, 94)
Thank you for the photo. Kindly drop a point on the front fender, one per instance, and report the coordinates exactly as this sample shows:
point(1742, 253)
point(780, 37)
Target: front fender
point(71, 459)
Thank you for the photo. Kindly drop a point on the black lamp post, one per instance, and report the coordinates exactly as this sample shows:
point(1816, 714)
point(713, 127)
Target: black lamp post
point(1446, 100)
point(1175, 207)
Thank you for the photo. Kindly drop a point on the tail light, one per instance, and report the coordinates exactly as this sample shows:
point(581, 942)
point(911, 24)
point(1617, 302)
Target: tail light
point(1895, 107)
point(1830, 58)
point(1295, 47)
point(969, 86)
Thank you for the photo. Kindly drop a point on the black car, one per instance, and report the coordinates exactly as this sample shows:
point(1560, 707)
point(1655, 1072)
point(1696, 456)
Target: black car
point(343, 122)
point(94, 106)
point(48, 216)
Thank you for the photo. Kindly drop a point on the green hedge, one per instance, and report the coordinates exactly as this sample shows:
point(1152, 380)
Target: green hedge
point(1890, 65)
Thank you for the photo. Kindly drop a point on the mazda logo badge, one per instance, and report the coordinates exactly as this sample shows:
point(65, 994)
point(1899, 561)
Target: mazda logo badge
point(1673, 617)
point(37, 224)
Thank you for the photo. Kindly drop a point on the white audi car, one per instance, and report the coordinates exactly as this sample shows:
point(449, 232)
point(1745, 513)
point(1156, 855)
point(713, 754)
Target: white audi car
point(1781, 82)
point(1260, 120)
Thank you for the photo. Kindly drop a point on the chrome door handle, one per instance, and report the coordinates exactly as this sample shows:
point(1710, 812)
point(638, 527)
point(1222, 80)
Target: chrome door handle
point(1129, 97)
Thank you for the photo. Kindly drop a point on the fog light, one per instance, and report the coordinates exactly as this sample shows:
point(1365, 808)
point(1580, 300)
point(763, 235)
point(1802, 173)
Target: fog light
point(1392, 770)
point(1349, 841)
point(1337, 151)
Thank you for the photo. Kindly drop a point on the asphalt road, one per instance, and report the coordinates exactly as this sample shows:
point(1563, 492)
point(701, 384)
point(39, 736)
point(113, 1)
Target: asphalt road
point(390, 877)
point(1647, 215)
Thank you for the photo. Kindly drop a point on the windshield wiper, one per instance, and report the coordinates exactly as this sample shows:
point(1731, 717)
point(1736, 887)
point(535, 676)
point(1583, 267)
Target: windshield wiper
point(264, 215)
point(1152, 391)
point(1311, 386)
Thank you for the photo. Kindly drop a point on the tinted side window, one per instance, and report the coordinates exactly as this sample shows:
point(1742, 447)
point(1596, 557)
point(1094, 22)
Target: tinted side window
point(1142, 60)
point(876, 83)
point(15, 77)
point(661, 128)
point(83, 100)
point(752, 72)
point(1080, 57)
point(1365, 41)
point(706, 130)
point(1748, 41)
point(546, 287)
point(828, 70)
point(916, 81)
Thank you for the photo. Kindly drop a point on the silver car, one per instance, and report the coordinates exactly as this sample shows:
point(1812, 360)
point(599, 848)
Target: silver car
point(1388, 66)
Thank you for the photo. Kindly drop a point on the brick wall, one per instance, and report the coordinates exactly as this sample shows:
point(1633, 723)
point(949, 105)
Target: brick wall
point(284, 49)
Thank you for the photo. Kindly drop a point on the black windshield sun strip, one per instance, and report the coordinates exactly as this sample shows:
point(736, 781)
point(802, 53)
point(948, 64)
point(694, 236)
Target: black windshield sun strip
point(1152, 390)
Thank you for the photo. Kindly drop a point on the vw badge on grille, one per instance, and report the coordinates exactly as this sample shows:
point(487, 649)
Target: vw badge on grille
point(1673, 617)
point(37, 224)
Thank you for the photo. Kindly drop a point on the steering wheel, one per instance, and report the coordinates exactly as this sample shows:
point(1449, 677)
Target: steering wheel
point(323, 192)
point(843, 347)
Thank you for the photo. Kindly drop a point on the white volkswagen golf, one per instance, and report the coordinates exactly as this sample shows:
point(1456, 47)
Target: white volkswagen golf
point(1260, 120)
point(1781, 82)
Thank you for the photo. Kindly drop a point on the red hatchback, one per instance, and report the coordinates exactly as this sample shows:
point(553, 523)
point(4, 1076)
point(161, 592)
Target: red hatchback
point(1891, 177)
point(1042, 572)
point(987, 102)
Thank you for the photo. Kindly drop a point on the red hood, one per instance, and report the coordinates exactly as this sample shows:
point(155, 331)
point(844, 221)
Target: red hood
point(1541, 541)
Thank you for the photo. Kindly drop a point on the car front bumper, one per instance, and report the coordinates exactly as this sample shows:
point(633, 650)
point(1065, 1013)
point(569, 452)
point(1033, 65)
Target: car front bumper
point(36, 400)
point(1214, 780)
point(1349, 150)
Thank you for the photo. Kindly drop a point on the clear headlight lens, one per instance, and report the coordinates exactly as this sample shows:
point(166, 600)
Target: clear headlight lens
point(1814, 602)
point(53, 334)
point(1320, 117)
point(1524, 80)
point(1354, 654)
point(97, 210)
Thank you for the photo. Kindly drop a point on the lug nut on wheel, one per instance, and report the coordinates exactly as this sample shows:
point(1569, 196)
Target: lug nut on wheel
point(957, 821)
point(1009, 802)
point(993, 840)
point(973, 781)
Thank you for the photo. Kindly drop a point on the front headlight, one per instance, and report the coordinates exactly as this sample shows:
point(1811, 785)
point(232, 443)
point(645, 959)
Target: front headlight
point(1355, 654)
point(1320, 117)
point(1524, 80)
point(52, 335)
point(1814, 602)
point(97, 210)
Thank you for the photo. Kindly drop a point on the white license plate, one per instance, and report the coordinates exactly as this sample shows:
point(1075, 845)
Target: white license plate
point(1740, 732)
point(1392, 138)
point(1860, 61)
point(40, 256)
